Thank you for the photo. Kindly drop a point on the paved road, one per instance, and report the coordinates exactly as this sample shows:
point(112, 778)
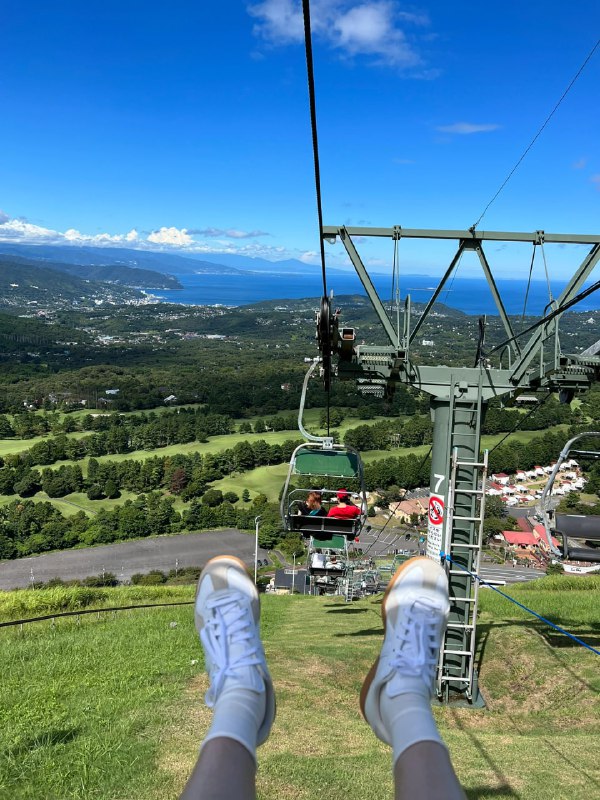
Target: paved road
point(126, 558)
point(382, 544)
point(498, 572)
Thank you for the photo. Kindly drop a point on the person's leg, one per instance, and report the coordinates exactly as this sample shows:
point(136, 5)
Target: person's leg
point(424, 772)
point(396, 695)
point(227, 615)
point(225, 770)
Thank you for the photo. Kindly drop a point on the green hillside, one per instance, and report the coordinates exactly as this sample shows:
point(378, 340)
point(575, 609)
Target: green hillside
point(24, 283)
point(112, 707)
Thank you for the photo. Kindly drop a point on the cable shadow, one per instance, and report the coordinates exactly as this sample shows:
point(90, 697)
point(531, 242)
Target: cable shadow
point(574, 766)
point(547, 636)
point(504, 789)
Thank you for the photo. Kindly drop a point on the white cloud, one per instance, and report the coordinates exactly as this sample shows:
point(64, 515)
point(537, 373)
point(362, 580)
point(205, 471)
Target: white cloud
point(580, 163)
point(228, 233)
point(3, 217)
point(596, 179)
point(164, 239)
point(279, 21)
point(173, 236)
point(310, 257)
point(371, 28)
point(467, 128)
point(19, 230)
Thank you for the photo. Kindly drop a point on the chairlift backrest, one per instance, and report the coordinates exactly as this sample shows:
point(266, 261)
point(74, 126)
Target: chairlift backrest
point(341, 463)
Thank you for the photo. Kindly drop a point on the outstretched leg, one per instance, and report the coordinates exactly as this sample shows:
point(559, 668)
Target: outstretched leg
point(396, 695)
point(227, 615)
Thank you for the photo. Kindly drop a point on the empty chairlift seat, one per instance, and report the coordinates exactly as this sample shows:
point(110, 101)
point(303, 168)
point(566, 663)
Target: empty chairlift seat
point(578, 526)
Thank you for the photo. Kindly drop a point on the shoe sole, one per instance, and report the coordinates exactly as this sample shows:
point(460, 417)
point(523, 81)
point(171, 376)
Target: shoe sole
point(234, 561)
point(371, 673)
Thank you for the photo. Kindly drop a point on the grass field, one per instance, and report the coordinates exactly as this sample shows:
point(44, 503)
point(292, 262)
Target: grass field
point(10, 446)
point(78, 501)
point(265, 480)
point(112, 708)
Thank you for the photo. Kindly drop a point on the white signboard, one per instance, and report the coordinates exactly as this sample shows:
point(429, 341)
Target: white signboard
point(435, 526)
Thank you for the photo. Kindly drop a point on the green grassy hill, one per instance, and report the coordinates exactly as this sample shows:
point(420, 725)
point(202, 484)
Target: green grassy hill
point(112, 707)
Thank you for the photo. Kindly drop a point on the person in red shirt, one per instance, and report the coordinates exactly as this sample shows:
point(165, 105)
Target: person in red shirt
point(345, 508)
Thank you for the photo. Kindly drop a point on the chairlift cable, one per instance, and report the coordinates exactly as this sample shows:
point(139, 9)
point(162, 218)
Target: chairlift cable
point(550, 298)
point(537, 135)
point(577, 299)
point(313, 124)
point(528, 282)
point(380, 534)
point(449, 289)
point(531, 411)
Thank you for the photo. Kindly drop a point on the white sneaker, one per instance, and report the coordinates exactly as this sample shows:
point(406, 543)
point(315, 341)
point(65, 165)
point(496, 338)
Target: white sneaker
point(415, 611)
point(227, 614)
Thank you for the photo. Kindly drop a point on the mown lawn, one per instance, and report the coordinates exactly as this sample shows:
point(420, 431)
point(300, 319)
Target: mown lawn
point(112, 708)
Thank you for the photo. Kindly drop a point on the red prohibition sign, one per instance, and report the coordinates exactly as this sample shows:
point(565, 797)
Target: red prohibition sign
point(436, 510)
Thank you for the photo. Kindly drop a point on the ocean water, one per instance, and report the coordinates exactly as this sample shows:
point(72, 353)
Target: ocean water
point(470, 295)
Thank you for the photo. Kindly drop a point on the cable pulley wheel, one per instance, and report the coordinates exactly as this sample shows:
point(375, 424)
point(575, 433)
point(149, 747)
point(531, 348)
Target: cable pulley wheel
point(326, 339)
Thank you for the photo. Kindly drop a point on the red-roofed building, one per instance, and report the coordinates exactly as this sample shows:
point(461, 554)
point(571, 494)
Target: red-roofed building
point(540, 532)
point(524, 524)
point(520, 538)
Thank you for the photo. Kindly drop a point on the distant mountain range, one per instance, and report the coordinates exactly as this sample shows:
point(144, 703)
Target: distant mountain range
point(288, 266)
point(125, 258)
point(158, 262)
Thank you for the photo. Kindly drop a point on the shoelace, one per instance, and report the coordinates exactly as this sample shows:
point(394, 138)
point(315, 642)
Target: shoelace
point(230, 624)
point(416, 645)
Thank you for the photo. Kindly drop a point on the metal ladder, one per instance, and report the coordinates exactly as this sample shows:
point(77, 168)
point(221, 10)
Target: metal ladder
point(463, 534)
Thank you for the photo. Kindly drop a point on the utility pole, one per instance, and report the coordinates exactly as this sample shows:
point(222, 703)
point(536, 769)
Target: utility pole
point(256, 522)
point(459, 397)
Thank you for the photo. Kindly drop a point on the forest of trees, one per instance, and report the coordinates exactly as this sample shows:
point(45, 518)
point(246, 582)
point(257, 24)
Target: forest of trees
point(27, 527)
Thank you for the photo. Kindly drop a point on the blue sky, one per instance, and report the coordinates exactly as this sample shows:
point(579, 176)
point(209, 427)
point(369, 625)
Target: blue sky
point(185, 126)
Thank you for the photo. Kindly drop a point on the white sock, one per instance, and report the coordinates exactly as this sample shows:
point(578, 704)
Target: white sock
point(238, 714)
point(408, 718)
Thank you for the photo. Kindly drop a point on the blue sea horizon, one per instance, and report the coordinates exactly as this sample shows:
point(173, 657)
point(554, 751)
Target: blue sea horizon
point(469, 295)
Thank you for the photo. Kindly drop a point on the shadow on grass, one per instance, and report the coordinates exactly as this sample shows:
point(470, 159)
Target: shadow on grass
point(485, 791)
point(576, 767)
point(365, 632)
point(349, 610)
point(504, 789)
point(554, 640)
point(49, 738)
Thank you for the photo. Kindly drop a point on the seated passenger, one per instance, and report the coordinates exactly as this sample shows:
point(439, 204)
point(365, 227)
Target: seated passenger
point(318, 560)
point(312, 507)
point(345, 508)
